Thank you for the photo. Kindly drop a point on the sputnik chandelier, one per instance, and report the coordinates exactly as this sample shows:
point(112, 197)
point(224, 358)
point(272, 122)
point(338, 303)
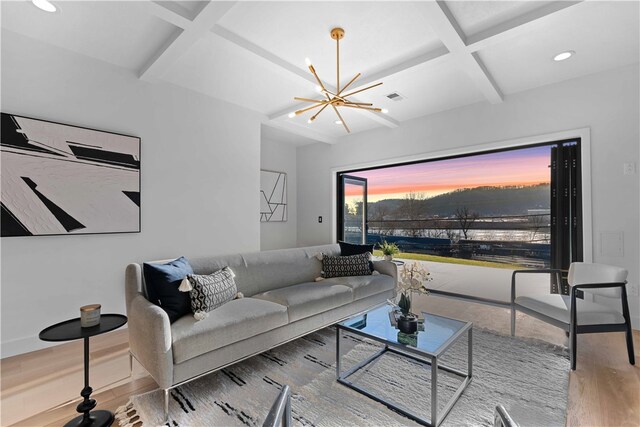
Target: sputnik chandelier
point(338, 99)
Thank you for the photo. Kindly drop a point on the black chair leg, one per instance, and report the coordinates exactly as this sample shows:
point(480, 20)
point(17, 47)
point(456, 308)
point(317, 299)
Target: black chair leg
point(629, 335)
point(573, 349)
point(629, 331)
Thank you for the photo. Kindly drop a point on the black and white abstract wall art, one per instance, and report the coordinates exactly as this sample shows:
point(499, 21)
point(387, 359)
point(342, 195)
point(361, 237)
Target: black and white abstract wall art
point(58, 179)
point(273, 196)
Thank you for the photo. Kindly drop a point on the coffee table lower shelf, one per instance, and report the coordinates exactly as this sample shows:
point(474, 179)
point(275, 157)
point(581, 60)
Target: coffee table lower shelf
point(435, 419)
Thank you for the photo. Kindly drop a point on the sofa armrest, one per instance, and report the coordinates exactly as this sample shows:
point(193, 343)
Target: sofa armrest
point(150, 339)
point(149, 331)
point(386, 267)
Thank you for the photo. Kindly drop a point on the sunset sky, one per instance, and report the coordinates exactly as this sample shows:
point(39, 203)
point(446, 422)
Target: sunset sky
point(517, 167)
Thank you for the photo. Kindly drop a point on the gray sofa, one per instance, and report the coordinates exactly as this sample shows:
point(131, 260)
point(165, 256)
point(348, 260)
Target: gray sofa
point(282, 302)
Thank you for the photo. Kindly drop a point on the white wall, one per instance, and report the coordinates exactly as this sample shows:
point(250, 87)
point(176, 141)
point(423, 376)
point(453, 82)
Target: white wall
point(200, 165)
point(607, 103)
point(280, 156)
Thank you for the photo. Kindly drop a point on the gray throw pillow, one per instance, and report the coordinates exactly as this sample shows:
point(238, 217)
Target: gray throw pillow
point(342, 266)
point(213, 290)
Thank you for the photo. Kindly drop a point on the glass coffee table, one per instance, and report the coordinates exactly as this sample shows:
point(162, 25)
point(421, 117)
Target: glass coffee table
point(427, 346)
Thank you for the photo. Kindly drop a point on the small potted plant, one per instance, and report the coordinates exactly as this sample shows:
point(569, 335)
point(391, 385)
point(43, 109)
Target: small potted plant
point(412, 279)
point(388, 250)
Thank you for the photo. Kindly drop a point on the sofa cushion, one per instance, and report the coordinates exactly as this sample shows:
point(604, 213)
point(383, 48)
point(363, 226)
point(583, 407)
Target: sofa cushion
point(364, 286)
point(559, 307)
point(234, 321)
point(306, 299)
point(263, 271)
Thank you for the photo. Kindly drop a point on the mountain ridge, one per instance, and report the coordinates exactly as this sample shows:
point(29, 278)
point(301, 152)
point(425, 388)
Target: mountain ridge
point(485, 200)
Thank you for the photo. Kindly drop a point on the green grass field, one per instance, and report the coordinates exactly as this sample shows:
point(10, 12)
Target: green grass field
point(448, 260)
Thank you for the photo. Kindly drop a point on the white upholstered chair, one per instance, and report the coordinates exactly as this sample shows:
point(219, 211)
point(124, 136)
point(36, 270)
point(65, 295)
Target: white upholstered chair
point(576, 315)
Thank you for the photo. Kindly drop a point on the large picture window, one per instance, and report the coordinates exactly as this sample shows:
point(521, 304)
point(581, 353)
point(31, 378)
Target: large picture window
point(509, 209)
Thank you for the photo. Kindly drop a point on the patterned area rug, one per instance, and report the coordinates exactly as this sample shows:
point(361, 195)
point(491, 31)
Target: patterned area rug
point(529, 378)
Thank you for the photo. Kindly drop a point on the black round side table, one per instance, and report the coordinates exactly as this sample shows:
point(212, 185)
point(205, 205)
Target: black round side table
point(71, 330)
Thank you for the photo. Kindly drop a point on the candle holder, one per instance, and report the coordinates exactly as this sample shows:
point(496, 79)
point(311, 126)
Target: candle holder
point(90, 315)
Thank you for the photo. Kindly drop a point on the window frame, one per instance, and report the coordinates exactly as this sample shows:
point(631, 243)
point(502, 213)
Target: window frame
point(492, 142)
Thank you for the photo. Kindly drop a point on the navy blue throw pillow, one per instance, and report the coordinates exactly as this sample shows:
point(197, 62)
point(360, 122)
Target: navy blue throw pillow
point(348, 249)
point(163, 281)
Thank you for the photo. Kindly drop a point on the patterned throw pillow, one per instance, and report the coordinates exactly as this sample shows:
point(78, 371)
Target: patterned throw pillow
point(341, 266)
point(211, 291)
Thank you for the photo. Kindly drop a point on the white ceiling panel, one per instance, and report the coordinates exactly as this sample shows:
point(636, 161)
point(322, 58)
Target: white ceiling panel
point(604, 35)
point(377, 34)
point(216, 67)
point(427, 89)
point(121, 33)
point(476, 16)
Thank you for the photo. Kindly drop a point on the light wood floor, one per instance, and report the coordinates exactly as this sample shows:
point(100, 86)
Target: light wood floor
point(603, 391)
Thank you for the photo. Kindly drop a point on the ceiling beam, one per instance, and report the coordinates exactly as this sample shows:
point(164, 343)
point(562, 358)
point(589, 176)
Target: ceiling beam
point(181, 41)
point(170, 12)
point(514, 27)
point(456, 46)
point(447, 29)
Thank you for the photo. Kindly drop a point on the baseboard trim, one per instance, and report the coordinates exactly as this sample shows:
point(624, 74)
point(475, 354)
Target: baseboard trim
point(24, 345)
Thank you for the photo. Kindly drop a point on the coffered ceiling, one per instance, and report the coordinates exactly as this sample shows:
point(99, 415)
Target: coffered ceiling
point(438, 55)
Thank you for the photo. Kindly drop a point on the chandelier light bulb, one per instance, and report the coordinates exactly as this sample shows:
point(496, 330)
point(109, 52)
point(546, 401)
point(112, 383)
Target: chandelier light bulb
point(307, 61)
point(384, 111)
point(310, 121)
point(318, 89)
point(292, 114)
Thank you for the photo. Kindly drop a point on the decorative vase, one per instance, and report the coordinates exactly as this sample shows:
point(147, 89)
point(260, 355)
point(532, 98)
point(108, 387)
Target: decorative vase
point(408, 324)
point(388, 257)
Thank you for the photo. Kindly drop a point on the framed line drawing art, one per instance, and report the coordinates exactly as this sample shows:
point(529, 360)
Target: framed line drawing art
point(273, 196)
point(59, 179)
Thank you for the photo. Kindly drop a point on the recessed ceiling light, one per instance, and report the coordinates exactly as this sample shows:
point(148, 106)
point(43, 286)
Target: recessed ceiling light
point(338, 122)
point(564, 55)
point(45, 5)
